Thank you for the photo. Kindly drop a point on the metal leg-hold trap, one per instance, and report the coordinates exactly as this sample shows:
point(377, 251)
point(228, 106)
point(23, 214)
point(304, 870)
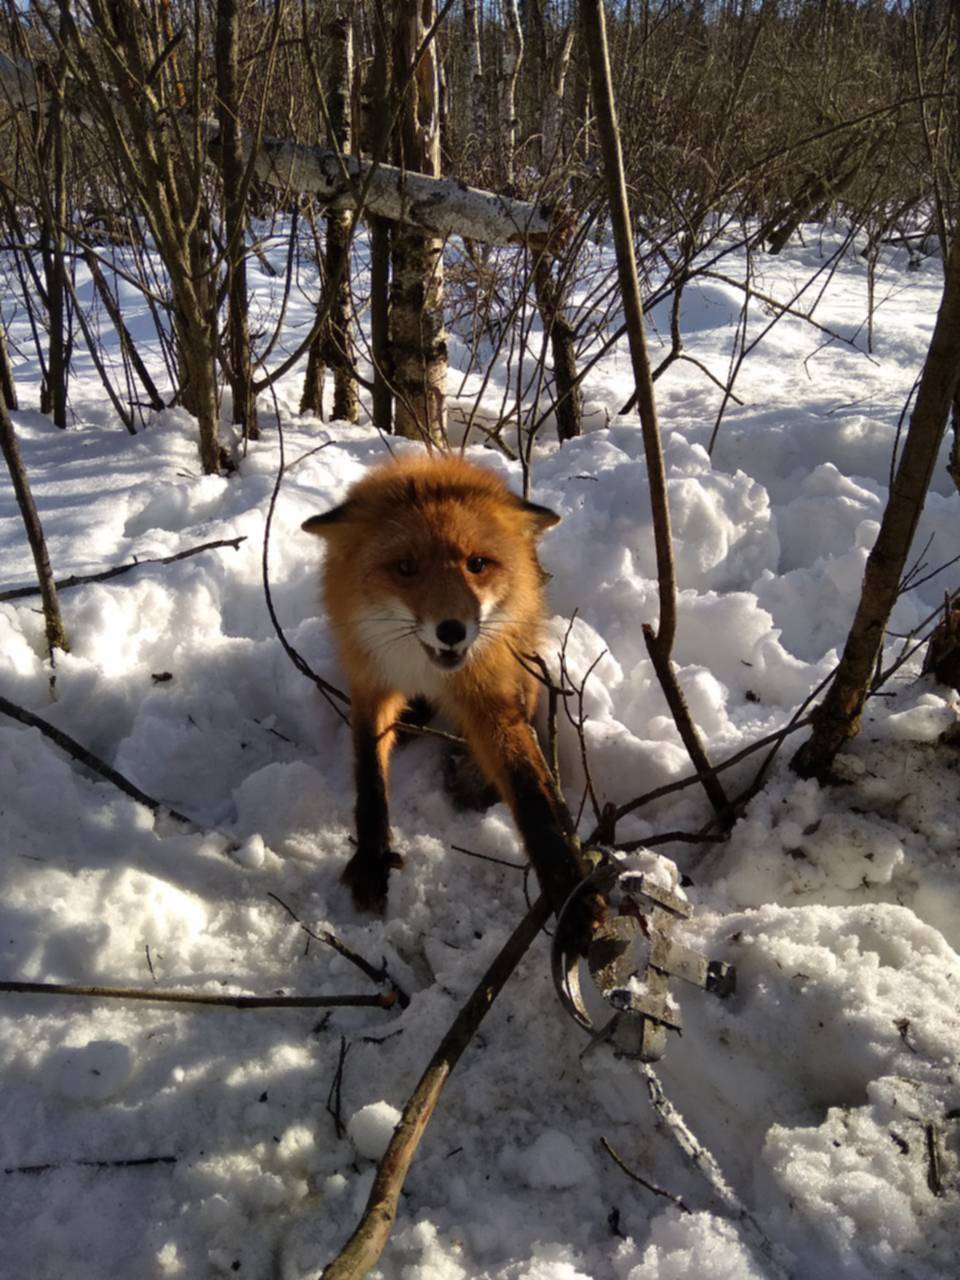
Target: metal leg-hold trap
point(631, 961)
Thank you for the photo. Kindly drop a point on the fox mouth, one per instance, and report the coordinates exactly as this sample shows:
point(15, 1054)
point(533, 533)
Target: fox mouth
point(445, 659)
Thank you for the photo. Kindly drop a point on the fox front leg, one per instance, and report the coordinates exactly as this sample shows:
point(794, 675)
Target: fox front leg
point(373, 720)
point(505, 746)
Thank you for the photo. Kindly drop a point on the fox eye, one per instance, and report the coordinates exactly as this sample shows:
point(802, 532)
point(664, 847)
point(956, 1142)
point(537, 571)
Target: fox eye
point(406, 568)
point(477, 564)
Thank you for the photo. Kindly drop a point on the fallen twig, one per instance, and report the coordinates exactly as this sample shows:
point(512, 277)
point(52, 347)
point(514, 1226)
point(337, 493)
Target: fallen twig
point(931, 1135)
point(365, 1246)
point(141, 1163)
point(669, 837)
point(76, 580)
point(334, 1097)
point(650, 1186)
point(88, 759)
point(375, 974)
point(487, 857)
point(384, 1001)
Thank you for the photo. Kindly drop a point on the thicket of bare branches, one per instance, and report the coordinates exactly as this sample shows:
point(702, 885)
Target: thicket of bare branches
point(739, 123)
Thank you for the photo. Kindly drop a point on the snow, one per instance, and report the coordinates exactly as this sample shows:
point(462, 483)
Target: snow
point(371, 1128)
point(820, 1087)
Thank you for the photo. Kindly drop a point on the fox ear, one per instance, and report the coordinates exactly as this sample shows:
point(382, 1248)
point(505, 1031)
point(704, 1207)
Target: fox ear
point(541, 517)
point(321, 525)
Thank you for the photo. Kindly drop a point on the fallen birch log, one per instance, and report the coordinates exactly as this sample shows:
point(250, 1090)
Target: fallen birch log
point(442, 206)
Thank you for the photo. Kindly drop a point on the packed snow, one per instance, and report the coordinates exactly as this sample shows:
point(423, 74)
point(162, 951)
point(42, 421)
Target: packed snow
point(826, 1088)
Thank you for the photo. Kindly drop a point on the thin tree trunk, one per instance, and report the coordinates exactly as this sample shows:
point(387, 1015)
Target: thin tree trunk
point(93, 346)
point(196, 357)
point(380, 324)
point(56, 633)
point(549, 286)
point(510, 72)
point(376, 139)
point(311, 398)
point(569, 410)
point(240, 371)
point(53, 394)
point(164, 170)
point(418, 345)
point(582, 99)
point(596, 42)
point(659, 643)
point(473, 81)
point(838, 716)
point(553, 100)
point(338, 341)
point(8, 388)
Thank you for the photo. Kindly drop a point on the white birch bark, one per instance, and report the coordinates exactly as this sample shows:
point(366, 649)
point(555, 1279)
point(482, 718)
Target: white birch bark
point(473, 85)
point(418, 342)
point(553, 102)
point(512, 58)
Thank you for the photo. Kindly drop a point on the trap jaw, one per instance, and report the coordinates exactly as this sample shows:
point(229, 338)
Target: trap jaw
point(631, 960)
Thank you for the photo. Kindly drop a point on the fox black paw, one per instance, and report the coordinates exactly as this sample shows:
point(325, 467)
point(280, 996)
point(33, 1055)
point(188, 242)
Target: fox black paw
point(367, 877)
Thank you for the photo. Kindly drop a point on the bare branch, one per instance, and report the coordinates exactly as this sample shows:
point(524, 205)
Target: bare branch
point(386, 1000)
point(78, 579)
point(365, 1246)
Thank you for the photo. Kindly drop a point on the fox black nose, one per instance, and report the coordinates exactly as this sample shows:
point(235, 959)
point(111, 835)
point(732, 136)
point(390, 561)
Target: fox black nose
point(451, 631)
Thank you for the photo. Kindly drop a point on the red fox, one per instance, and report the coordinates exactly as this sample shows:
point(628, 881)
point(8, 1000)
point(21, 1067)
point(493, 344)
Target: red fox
point(433, 586)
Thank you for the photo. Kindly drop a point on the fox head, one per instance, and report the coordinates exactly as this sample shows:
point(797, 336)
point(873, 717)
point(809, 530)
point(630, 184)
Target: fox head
point(431, 559)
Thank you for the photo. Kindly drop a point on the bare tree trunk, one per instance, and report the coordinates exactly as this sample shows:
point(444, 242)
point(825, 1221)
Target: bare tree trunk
point(417, 338)
point(232, 167)
point(53, 219)
point(953, 466)
point(660, 643)
point(311, 398)
point(581, 91)
point(553, 99)
point(164, 169)
point(549, 286)
point(56, 633)
point(510, 73)
point(380, 324)
point(569, 410)
point(838, 716)
point(194, 326)
point(8, 388)
point(596, 41)
point(473, 82)
point(376, 139)
point(338, 341)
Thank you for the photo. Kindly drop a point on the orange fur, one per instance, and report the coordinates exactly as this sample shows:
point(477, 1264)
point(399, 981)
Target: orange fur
point(433, 586)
